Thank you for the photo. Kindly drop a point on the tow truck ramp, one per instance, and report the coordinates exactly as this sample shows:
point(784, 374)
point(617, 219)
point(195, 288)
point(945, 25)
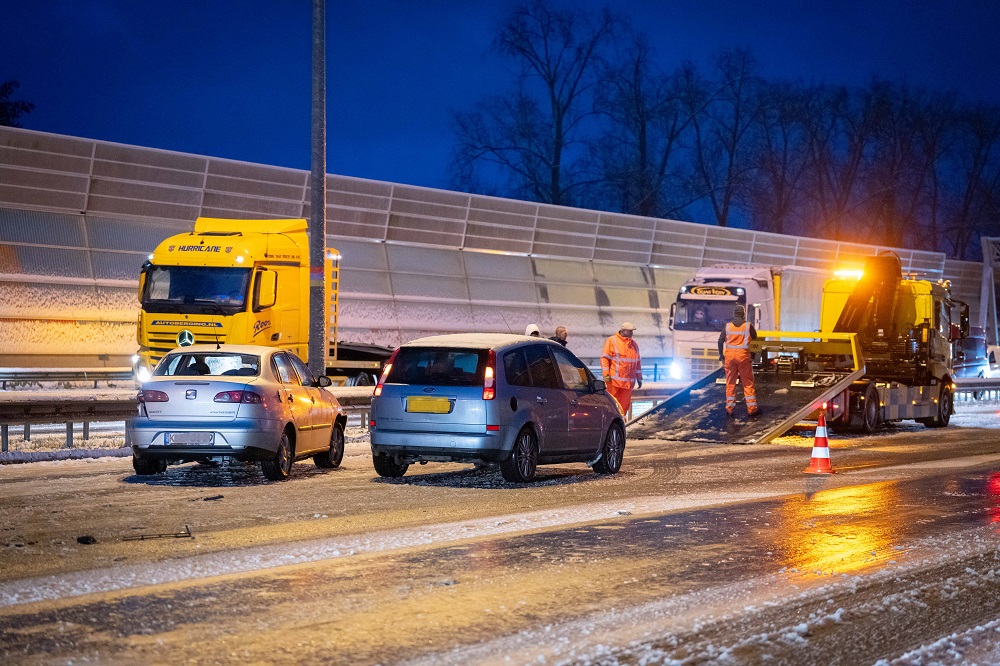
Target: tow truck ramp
point(794, 374)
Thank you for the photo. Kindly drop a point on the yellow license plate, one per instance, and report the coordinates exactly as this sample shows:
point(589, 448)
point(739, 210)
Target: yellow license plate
point(425, 405)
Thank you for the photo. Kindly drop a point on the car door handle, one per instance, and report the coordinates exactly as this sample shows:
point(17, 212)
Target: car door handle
point(540, 400)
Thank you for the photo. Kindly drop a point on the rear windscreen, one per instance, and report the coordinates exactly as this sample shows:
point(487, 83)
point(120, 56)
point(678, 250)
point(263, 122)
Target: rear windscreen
point(431, 366)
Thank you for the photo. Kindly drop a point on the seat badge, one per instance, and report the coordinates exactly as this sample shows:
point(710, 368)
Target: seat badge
point(191, 394)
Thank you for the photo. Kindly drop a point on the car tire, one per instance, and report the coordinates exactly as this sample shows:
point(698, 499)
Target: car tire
point(331, 458)
point(943, 417)
point(363, 379)
point(867, 419)
point(520, 466)
point(147, 467)
point(386, 466)
point(612, 451)
point(279, 468)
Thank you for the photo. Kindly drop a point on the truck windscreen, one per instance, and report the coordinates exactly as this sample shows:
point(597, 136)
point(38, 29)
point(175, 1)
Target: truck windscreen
point(196, 289)
point(695, 315)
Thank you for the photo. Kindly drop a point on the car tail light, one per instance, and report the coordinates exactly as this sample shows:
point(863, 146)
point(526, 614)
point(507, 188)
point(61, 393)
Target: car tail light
point(371, 424)
point(492, 428)
point(489, 378)
point(246, 397)
point(385, 373)
point(148, 395)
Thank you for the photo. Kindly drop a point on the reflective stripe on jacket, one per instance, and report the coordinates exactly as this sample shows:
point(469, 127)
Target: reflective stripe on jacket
point(620, 359)
point(738, 337)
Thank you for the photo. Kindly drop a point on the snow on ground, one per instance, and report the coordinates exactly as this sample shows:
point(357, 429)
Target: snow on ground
point(777, 616)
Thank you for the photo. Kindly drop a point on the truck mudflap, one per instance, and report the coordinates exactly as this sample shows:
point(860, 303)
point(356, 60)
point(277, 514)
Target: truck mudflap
point(796, 373)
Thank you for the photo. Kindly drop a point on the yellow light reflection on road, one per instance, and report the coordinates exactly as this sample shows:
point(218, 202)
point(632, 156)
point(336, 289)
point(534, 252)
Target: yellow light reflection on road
point(840, 530)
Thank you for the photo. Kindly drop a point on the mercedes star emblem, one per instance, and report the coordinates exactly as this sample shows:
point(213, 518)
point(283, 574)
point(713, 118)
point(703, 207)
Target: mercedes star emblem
point(185, 338)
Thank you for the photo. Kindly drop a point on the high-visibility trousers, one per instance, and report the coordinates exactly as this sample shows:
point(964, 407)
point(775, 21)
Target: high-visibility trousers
point(623, 394)
point(737, 364)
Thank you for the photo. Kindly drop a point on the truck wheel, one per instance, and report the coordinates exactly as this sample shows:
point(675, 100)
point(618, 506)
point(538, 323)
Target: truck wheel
point(363, 379)
point(387, 467)
point(866, 418)
point(943, 417)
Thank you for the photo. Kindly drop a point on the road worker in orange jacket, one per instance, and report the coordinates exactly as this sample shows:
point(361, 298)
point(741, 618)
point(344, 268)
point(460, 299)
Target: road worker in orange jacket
point(734, 352)
point(621, 366)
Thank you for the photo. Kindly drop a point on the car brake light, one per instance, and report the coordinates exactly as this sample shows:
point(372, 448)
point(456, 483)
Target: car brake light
point(246, 397)
point(489, 378)
point(371, 424)
point(385, 373)
point(148, 395)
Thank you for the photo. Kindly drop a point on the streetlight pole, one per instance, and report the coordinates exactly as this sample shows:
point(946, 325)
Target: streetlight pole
point(317, 200)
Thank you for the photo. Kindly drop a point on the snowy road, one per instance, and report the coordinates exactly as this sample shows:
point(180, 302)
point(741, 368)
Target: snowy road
point(694, 553)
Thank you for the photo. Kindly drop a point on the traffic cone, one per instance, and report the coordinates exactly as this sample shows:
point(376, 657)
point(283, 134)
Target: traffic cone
point(820, 462)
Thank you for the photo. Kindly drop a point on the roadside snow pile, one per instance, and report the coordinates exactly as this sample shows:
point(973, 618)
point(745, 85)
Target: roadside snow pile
point(62, 454)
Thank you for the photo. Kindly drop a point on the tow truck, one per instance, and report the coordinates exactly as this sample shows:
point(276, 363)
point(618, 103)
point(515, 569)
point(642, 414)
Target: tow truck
point(883, 353)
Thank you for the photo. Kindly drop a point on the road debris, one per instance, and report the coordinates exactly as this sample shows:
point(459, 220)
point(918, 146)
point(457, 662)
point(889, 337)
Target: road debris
point(186, 534)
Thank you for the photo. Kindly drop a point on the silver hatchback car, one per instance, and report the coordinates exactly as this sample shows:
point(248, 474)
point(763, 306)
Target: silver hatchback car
point(247, 402)
point(492, 399)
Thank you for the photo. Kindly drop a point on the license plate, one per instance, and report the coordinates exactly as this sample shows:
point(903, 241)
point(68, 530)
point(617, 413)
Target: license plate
point(189, 437)
point(425, 405)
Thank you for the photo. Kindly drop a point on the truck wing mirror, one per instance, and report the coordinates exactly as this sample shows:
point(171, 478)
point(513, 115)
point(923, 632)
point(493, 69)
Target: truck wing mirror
point(142, 279)
point(266, 290)
point(955, 333)
point(673, 310)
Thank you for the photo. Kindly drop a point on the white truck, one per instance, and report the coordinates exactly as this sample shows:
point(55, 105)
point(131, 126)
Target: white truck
point(777, 298)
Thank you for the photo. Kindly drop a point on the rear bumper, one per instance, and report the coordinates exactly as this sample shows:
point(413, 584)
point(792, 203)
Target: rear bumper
point(243, 439)
point(441, 447)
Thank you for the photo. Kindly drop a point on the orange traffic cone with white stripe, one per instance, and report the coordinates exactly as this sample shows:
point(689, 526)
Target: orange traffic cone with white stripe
point(820, 462)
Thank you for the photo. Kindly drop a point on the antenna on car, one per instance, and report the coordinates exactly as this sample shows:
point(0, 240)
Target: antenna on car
point(506, 324)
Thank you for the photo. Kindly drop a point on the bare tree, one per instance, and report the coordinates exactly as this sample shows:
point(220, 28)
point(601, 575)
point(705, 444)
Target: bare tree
point(780, 155)
point(12, 109)
point(721, 160)
point(532, 134)
point(637, 155)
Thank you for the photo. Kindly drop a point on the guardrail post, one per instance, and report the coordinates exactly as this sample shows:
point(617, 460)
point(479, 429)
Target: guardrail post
point(69, 434)
point(4, 437)
point(27, 432)
point(86, 431)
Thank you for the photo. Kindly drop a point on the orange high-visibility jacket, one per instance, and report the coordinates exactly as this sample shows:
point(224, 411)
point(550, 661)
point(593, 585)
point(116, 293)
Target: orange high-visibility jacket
point(620, 359)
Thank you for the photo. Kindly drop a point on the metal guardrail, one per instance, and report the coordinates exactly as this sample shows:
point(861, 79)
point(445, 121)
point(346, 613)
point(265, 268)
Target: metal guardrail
point(978, 389)
point(33, 376)
point(33, 410)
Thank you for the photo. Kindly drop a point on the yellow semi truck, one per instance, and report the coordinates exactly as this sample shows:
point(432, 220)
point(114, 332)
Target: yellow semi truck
point(242, 282)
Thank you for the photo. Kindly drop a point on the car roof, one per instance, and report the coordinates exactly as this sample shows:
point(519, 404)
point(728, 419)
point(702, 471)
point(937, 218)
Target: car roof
point(475, 340)
point(258, 350)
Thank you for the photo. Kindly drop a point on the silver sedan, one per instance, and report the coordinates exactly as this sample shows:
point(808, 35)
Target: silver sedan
point(241, 401)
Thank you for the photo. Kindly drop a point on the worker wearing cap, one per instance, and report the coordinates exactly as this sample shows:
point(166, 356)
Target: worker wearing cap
point(734, 352)
point(621, 366)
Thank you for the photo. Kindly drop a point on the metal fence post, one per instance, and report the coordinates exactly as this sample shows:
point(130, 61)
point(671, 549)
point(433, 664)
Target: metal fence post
point(69, 434)
point(27, 432)
point(86, 431)
point(4, 437)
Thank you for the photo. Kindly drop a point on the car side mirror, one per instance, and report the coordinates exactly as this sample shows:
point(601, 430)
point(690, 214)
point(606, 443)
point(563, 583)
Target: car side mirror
point(598, 385)
point(324, 381)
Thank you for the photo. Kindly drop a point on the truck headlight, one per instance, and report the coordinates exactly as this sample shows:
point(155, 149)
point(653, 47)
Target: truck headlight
point(675, 370)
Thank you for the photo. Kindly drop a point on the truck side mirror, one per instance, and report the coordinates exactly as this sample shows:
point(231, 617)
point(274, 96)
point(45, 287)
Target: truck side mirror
point(673, 310)
point(955, 333)
point(265, 290)
point(142, 279)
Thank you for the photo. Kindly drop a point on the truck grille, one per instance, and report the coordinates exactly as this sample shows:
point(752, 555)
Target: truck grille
point(161, 342)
